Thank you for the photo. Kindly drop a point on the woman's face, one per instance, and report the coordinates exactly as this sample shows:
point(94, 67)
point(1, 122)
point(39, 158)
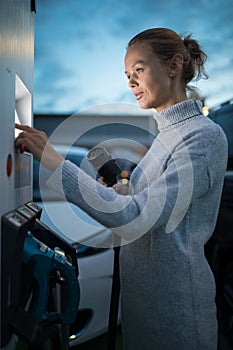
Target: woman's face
point(148, 78)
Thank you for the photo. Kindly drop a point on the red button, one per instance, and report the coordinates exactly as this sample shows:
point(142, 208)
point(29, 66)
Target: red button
point(9, 165)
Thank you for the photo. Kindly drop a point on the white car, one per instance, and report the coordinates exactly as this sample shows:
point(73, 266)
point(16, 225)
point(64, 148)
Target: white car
point(95, 264)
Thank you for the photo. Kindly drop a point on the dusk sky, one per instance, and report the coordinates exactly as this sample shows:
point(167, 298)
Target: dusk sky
point(80, 48)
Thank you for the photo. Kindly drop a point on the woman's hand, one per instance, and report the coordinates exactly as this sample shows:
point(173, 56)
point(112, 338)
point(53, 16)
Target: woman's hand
point(120, 187)
point(101, 181)
point(36, 142)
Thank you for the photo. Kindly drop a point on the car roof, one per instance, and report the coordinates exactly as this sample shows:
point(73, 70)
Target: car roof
point(64, 149)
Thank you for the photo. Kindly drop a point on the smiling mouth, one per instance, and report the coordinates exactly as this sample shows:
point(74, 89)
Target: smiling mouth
point(138, 95)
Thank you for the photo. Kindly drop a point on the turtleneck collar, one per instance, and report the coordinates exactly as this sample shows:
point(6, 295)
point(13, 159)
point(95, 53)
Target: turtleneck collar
point(178, 113)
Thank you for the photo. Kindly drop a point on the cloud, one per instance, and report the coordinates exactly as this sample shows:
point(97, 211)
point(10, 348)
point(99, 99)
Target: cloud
point(80, 45)
point(52, 80)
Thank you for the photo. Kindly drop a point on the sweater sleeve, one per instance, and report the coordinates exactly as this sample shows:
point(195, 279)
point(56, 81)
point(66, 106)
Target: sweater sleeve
point(164, 201)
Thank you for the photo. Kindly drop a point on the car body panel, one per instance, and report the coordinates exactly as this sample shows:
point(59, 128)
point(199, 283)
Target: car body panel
point(95, 264)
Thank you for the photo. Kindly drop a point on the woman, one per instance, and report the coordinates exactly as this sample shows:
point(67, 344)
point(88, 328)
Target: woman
point(170, 211)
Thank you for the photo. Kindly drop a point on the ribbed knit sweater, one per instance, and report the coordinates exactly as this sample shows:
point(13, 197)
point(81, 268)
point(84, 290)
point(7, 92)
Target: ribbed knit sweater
point(167, 287)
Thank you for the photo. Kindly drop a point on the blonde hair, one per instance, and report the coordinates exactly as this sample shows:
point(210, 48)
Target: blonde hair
point(165, 43)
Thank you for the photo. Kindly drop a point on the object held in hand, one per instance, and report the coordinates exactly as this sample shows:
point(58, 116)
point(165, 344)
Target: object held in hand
point(104, 164)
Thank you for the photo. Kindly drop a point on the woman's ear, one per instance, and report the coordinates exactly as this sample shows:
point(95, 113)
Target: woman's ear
point(176, 65)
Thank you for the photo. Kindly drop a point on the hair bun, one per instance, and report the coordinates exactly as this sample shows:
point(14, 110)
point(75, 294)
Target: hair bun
point(197, 57)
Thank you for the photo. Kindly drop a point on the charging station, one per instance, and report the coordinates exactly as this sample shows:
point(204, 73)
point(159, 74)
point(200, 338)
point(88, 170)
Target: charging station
point(16, 90)
point(39, 271)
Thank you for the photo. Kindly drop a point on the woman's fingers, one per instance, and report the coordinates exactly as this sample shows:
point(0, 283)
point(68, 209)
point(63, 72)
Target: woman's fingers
point(20, 144)
point(36, 142)
point(31, 142)
point(101, 181)
point(26, 128)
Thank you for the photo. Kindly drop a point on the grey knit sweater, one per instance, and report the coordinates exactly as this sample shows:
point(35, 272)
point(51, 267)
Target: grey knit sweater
point(167, 288)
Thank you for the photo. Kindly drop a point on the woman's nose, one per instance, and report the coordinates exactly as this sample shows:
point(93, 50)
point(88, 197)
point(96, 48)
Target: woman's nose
point(132, 82)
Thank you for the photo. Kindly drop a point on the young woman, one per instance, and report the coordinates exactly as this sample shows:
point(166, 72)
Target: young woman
point(170, 211)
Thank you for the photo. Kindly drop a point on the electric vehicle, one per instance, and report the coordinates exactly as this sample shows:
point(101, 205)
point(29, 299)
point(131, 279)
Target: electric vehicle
point(95, 264)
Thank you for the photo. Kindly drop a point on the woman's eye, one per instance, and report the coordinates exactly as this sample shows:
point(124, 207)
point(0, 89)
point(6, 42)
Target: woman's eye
point(138, 70)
